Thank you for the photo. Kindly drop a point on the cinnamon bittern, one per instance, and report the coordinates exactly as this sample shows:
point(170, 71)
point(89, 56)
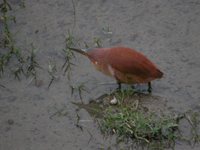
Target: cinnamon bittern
point(126, 65)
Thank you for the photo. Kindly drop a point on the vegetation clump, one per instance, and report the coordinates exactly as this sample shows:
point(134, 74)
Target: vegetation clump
point(10, 52)
point(131, 123)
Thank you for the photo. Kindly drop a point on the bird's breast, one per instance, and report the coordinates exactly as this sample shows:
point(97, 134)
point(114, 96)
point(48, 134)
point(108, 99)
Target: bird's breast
point(104, 68)
point(122, 77)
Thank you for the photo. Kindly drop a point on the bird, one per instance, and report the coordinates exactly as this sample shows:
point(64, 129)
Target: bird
point(125, 64)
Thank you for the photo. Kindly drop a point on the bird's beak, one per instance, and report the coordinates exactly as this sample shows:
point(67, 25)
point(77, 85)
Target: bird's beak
point(81, 51)
point(86, 49)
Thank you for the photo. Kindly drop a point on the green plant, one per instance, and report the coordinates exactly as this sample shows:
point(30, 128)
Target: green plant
point(122, 94)
point(52, 71)
point(97, 42)
point(193, 119)
point(80, 89)
point(127, 122)
point(11, 50)
point(22, 4)
point(32, 64)
point(106, 30)
point(69, 55)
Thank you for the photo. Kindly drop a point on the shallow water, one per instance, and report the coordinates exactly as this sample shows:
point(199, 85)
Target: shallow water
point(35, 117)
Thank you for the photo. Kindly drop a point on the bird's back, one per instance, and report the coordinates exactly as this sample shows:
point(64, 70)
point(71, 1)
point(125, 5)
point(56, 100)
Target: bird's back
point(130, 61)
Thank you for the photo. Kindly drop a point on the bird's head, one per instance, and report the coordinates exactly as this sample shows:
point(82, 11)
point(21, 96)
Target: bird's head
point(97, 55)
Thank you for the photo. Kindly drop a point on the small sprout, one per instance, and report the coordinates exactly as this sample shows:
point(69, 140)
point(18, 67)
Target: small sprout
point(106, 30)
point(121, 95)
point(97, 42)
point(5, 6)
point(22, 4)
point(86, 45)
point(52, 72)
point(67, 66)
point(69, 55)
point(69, 40)
point(59, 111)
point(77, 122)
point(17, 72)
point(80, 89)
point(32, 64)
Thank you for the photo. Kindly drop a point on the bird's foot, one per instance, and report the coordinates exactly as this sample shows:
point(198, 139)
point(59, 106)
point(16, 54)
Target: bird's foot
point(133, 87)
point(149, 87)
point(119, 86)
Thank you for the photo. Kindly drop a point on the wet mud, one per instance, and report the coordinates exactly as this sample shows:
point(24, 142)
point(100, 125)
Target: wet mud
point(33, 116)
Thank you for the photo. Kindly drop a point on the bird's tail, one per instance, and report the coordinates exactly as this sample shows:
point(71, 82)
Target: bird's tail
point(78, 51)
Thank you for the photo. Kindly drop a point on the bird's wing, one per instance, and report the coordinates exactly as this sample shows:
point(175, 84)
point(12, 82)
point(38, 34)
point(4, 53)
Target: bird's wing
point(130, 62)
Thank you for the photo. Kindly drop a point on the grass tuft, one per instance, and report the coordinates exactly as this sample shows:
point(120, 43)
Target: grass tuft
point(127, 122)
point(123, 94)
point(32, 64)
point(52, 69)
point(69, 55)
point(97, 42)
point(12, 52)
point(79, 88)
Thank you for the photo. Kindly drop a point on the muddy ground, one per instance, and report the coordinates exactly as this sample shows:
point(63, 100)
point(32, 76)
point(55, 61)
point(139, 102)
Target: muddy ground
point(35, 117)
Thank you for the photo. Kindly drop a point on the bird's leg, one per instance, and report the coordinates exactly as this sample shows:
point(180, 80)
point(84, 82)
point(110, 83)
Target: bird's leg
point(133, 86)
point(149, 87)
point(119, 86)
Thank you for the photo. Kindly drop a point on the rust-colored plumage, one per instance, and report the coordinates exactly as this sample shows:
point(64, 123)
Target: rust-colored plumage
point(126, 65)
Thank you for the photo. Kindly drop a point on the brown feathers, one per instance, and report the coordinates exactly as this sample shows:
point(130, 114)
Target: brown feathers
point(124, 64)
